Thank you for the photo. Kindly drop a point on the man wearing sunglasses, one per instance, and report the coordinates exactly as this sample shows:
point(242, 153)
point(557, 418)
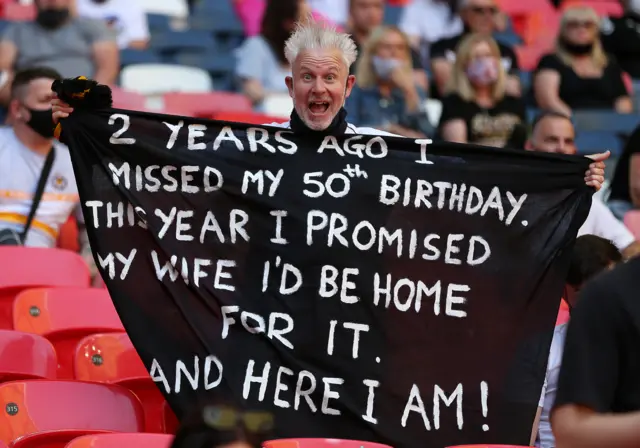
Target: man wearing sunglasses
point(478, 16)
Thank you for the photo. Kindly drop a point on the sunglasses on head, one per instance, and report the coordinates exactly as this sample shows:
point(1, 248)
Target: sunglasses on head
point(484, 10)
point(225, 418)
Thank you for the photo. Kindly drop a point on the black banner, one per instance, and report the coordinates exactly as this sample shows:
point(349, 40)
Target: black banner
point(364, 287)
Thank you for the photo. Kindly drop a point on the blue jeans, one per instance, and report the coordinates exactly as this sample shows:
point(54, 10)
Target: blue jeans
point(620, 208)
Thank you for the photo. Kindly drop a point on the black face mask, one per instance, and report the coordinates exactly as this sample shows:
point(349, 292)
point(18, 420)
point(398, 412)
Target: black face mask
point(51, 18)
point(41, 122)
point(577, 49)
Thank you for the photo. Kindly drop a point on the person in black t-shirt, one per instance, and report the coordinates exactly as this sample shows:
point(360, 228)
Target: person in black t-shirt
point(624, 191)
point(598, 398)
point(579, 75)
point(476, 108)
point(479, 16)
point(621, 37)
point(367, 15)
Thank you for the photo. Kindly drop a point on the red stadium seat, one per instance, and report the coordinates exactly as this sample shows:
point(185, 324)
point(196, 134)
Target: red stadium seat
point(122, 441)
point(26, 267)
point(204, 105)
point(124, 99)
point(247, 117)
point(169, 420)
point(632, 221)
point(42, 413)
point(321, 443)
point(65, 316)
point(26, 356)
point(111, 358)
point(15, 11)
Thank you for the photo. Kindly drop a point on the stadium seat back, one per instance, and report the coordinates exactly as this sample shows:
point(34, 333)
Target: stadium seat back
point(123, 99)
point(169, 42)
point(27, 267)
point(205, 105)
point(157, 79)
point(64, 316)
point(122, 441)
point(26, 356)
point(52, 413)
point(591, 142)
point(605, 121)
point(19, 12)
point(129, 56)
point(111, 358)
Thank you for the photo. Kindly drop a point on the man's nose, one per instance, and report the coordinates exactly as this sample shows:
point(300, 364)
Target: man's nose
point(318, 85)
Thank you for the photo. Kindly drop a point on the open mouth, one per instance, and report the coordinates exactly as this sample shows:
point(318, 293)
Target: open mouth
point(318, 107)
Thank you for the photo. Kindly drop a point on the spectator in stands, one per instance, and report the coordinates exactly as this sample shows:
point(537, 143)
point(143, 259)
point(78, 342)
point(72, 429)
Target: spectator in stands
point(218, 426)
point(71, 45)
point(479, 16)
point(554, 132)
point(624, 192)
point(428, 21)
point(621, 37)
point(477, 107)
point(598, 396)
point(24, 147)
point(261, 63)
point(251, 13)
point(367, 15)
point(591, 255)
point(126, 18)
point(579, 75)
point(386, 96)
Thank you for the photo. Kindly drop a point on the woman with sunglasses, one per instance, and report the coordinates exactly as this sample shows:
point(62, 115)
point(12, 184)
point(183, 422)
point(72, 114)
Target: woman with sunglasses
point(223, 426)
point(579, 74)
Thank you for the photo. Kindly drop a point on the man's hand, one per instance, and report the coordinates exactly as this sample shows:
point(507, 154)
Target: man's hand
point(594, 177)
point(60, 109)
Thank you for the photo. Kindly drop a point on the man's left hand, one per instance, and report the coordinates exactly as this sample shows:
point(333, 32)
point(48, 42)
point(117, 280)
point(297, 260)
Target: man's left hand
point(594, 177)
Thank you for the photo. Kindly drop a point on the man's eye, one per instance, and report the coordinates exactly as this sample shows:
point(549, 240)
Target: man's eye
point(306, 77)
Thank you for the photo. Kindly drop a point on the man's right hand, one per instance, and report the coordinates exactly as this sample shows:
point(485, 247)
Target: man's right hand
point(60, 109)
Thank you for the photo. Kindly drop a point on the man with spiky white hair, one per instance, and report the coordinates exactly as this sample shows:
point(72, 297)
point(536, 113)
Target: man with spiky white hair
point(320, 59)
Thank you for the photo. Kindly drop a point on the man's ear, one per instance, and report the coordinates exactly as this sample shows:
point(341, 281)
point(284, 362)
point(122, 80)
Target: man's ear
point(351, 81)
point(289, 82)
point(15, 110)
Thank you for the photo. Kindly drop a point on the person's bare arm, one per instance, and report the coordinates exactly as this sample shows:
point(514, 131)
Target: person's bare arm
point(632, 250)
point(441, 72)
point(634, 179)
point(8, 53)
point(576, 426)
point(140, 44)
point(623, 105)
point(534, 428)
point(252, 88)
point(546, 87)
point(107, 60)
point(455, 131)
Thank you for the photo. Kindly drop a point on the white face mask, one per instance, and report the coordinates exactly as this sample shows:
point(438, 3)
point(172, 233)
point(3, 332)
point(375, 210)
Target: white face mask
point(384, 67)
